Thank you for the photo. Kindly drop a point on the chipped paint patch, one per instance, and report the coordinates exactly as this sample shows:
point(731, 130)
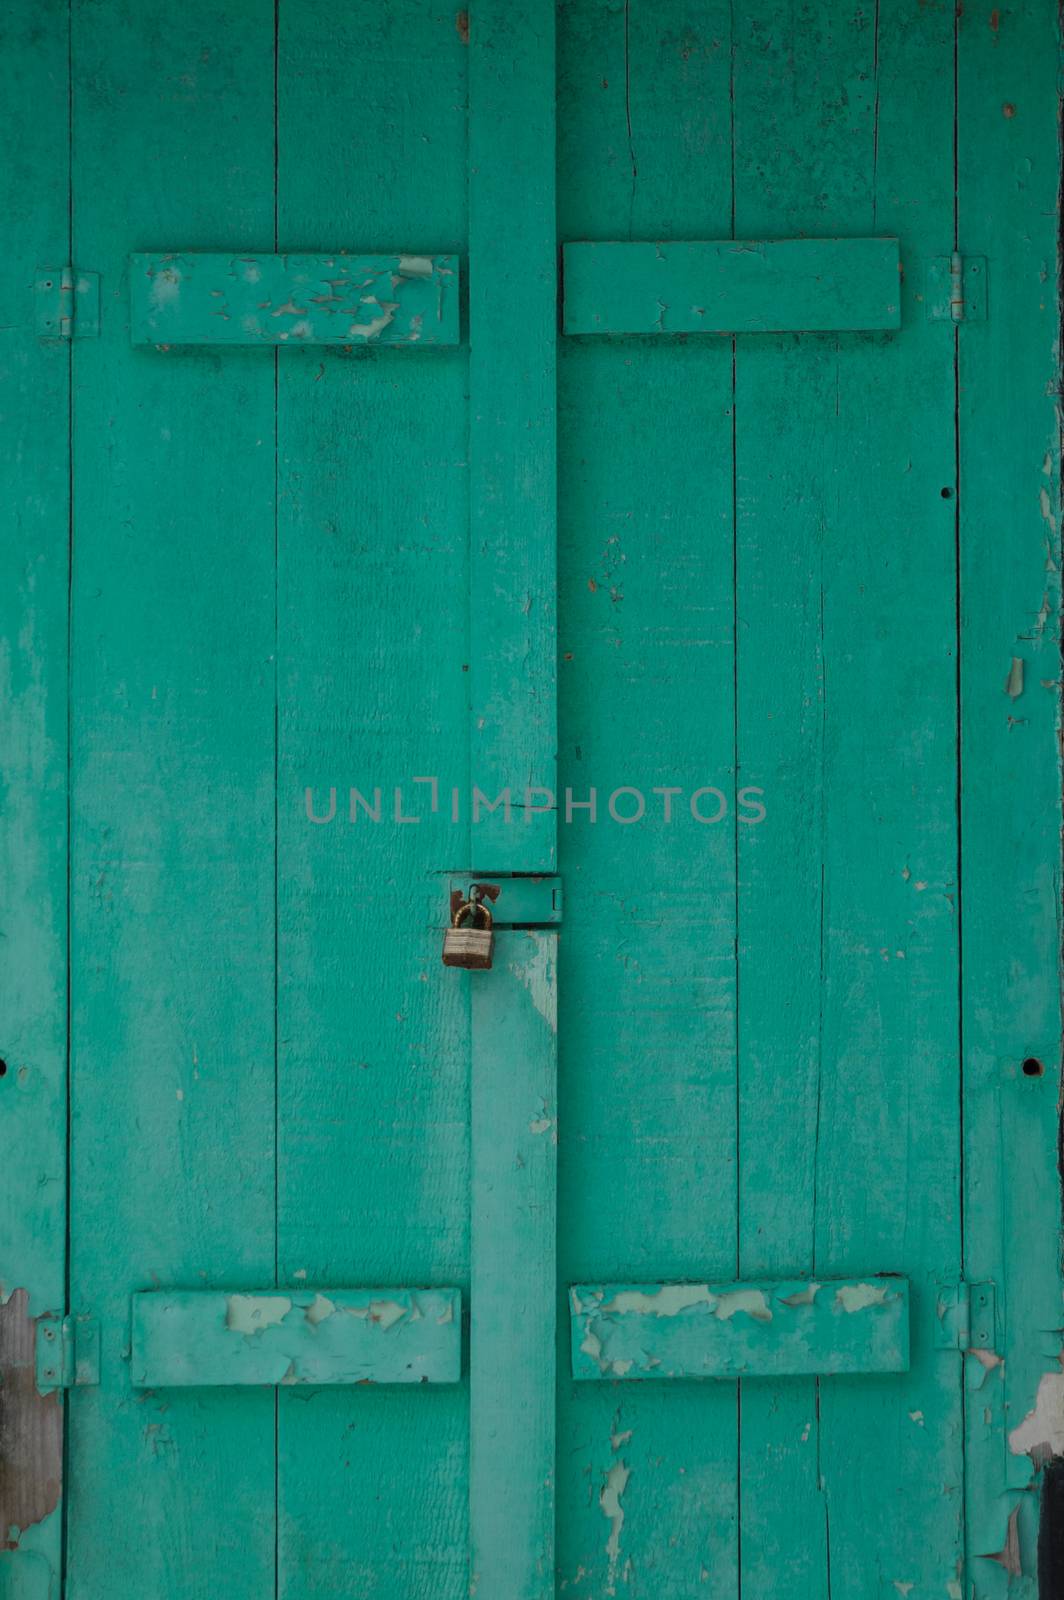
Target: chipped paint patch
point(1041, 1433)
point(376, 325)
point(750, 1301)
point(1014, 681)
point(610, 1503)
point(251, 1313)
point(1009, 1554)
point(32, 1465)
point(1046, 507)
point(668, 1301)
point(592, 1346)
point(534, 970)
point(804, 1297)
point(320, 1308)
point(386, 1313)
point(416, 266)
point(860, 1296)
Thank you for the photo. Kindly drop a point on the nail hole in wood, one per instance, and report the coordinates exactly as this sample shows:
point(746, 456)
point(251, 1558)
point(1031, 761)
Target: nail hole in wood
point(1033, 1068)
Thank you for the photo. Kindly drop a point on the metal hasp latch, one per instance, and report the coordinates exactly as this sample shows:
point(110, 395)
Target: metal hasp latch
point(955, 288)
point(68, 1352)
point(68, 303)
point(531, 901)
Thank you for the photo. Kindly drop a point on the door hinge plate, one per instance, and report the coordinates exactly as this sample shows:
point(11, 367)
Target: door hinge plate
point(955, 289)
point(965, 1315)
point(68, 303)
point(68, 1352)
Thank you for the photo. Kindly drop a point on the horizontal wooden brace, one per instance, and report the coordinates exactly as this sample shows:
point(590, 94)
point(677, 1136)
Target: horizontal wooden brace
point(294, 299)
point(331, 1336)
point(732, 286)
point(749, 1330)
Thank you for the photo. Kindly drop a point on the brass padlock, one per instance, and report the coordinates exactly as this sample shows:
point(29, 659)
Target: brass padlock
point(468, 945)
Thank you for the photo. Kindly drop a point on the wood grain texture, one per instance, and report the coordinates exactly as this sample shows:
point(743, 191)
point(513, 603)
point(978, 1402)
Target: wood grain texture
point(34, 567)
point(649, 1332)
point(293, 299)
point(373, 575)
point(1009, 496)
point(731, 286)
point(172, 959)
point(513, 740)
point(647, 1177)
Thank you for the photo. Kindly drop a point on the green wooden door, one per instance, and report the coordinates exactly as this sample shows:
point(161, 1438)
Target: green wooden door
point(611, 452)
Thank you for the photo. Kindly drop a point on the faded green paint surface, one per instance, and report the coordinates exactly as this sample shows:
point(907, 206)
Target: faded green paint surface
point(756, 1056)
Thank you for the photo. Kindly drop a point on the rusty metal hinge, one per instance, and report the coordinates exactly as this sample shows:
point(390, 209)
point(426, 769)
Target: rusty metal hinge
point(68, 1352)
point(68, 303)
point(965, 1316)
point(955, 288)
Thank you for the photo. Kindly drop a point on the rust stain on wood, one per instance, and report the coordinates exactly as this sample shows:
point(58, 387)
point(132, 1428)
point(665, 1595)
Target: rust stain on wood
point(31, 1428)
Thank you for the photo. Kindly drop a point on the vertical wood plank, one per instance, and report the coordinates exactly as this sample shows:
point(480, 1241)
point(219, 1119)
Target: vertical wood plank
point(647, 1177)
point(172, 958)
point(512, 722)
point(1008, 166)
point(891, 991)
point(512, 1306)
point(373, 573)
point(513, 291)
point(848, 1040)
point(34, 570)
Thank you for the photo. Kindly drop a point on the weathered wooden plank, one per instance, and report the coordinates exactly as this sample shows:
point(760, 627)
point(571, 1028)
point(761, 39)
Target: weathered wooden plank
point(293, 299)
point(1010, 556)
point(373, 1051)
point(847, 937)
point(172, 955)
point(512, 457)
point(34, 577)
point(648, 1473)
point(512, 1330)
point(344, 1336)
point(732, 286)
point(752, 1330)
point(513, 742)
